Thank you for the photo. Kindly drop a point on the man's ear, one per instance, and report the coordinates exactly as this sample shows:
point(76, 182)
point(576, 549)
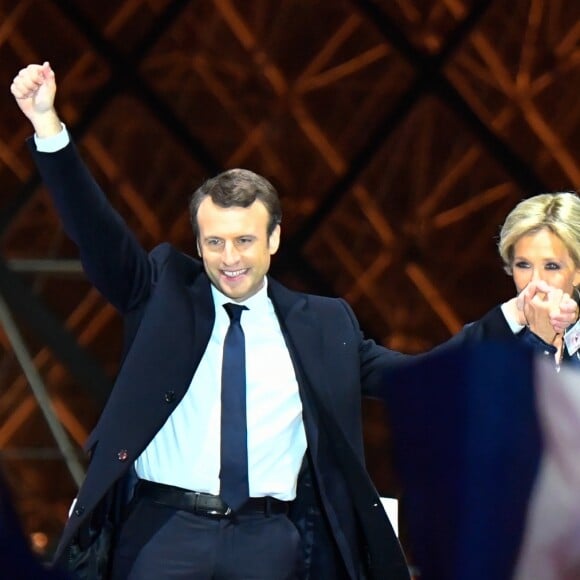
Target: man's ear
point(274, 240)
point(198, 247)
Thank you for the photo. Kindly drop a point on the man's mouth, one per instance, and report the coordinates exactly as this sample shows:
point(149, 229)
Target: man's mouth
point(234, 273)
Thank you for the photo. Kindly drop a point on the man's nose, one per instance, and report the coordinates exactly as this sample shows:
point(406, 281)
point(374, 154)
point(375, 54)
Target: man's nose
point(230, 254)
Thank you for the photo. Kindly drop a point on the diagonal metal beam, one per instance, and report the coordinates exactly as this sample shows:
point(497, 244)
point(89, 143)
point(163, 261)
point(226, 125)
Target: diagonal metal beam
point(125, 70)
point(40, 394)
point(51, 331)
point(124, 76)
point(429, 69)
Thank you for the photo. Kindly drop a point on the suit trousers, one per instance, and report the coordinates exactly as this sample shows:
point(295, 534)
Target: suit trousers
point(157, 542)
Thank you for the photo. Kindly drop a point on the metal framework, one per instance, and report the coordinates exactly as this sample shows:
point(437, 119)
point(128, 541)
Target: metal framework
point(399, 134)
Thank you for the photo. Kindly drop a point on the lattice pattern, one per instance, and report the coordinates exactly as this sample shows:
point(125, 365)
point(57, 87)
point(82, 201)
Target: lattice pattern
point(398, 133)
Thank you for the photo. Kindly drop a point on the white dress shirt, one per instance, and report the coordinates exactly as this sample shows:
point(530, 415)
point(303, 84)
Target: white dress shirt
point(186, 451)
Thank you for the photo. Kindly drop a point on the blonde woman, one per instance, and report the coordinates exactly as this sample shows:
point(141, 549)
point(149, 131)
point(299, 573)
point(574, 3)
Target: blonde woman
point(540, 247)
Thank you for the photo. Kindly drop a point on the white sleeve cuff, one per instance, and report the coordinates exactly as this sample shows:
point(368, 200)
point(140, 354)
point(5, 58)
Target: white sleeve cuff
point(514, 325)
point(54, 143)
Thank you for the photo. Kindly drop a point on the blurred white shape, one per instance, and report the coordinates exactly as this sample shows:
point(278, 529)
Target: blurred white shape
point(391, 506)
point(550, 548)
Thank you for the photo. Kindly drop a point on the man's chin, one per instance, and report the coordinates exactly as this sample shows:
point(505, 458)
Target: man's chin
point(237, 289)
point(234, 292)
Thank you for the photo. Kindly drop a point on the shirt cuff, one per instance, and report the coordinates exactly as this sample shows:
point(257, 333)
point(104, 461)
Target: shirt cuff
point(514, 325)
point(54, 143)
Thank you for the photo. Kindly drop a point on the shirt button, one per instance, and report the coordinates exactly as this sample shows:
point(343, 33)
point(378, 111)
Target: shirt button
point(122, 455)
point(79, 511)
point(169, 396)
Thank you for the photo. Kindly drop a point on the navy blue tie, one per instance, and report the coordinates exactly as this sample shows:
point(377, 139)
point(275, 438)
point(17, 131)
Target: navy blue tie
point(234, 486)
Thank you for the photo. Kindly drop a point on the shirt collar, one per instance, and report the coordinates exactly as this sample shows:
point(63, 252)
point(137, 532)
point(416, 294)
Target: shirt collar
point(259, 302)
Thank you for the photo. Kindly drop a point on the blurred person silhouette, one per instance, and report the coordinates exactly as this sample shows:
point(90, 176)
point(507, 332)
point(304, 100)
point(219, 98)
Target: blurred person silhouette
point(485, 441)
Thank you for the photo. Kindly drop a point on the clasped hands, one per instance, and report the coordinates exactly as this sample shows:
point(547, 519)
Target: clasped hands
point(545, 310)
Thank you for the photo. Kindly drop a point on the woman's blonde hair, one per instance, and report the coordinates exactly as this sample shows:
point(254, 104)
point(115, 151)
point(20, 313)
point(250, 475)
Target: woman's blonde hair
point(556, 212)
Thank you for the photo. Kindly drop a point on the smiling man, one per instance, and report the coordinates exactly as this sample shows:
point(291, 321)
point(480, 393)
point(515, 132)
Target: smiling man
point(236, 218)
point(234, 424)
point(231, 445)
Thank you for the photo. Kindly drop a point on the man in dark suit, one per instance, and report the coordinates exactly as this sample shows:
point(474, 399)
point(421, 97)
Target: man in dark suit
point(310, 509)
point(294, 500)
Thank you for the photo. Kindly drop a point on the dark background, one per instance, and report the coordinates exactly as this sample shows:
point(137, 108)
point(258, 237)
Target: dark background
point(398, 132)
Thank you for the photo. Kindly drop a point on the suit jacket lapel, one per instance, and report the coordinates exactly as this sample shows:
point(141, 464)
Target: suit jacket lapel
point(302, 334)
point(204, 309)
point(301, 325)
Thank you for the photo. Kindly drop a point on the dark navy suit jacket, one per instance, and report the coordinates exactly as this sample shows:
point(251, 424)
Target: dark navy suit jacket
point(165, 299)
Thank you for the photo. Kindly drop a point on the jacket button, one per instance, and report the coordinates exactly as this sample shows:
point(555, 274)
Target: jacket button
point(122, 455)
point(79, 510)
point(169, 396)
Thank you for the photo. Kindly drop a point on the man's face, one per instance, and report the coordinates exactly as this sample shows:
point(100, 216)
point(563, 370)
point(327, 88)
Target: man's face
point(235, 247)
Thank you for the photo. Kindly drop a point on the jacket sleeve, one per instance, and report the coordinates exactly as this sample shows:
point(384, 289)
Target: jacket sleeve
point(112, 258)
point(378, 361)
point(492, 327)
point(374, 359)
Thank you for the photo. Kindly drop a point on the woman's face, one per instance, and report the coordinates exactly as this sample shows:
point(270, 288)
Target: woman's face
point(544, 256)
